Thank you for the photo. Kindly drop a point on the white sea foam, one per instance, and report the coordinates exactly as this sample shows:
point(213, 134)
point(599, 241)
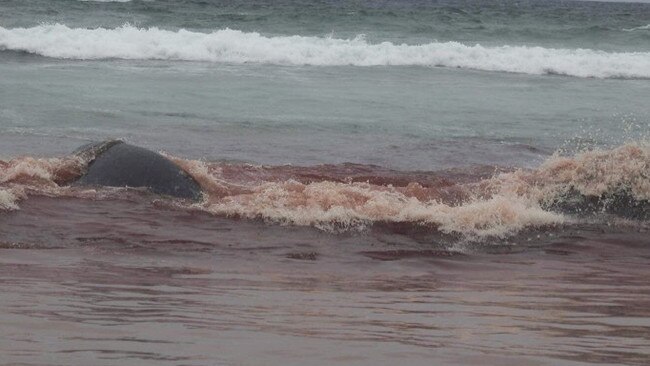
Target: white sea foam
point(643, 27)
point(335, 206)
point(47, 176)
point(232, 46)
point(7, 200)
point(592, 173)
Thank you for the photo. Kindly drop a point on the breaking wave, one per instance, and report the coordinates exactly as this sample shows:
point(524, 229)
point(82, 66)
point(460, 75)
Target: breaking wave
point(334, 198)
point(232, 46)
point(643, 27)
point(106, 1)
point(7, 200)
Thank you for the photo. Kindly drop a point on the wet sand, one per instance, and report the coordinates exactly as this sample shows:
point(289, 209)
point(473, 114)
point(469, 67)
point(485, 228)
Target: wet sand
point(123, 282)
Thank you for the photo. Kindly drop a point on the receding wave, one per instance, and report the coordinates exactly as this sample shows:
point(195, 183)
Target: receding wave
point(232, 46)
point(334, 199)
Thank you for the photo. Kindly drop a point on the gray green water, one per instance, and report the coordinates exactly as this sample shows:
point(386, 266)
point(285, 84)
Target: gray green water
point(266, 112)
point(571, 24)
point(257, 108)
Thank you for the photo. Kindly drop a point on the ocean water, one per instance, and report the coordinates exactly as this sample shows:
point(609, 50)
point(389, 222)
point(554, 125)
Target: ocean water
point(447, 182)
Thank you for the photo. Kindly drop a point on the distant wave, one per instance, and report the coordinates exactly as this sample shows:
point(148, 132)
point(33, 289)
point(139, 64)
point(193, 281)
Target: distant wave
point(643, 27)
point(106, 1)
point(232, 46)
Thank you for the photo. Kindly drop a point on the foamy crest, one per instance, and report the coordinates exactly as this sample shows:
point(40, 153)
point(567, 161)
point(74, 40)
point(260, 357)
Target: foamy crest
point(201, 172)
point(38, 175)
point(495, 207)
point(600, 172)
point(7, 200)
point(342, 206)
point(592, 173)
point(643, 27)
point(29, 171)
point(232, 46)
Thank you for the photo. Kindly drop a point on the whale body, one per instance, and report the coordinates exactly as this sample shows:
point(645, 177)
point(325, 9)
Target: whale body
point(620, 203)
point(115, 163)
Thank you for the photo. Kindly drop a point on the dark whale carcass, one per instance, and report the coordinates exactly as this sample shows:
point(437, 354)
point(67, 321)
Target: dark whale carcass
point(621, 203)
point(115, 163)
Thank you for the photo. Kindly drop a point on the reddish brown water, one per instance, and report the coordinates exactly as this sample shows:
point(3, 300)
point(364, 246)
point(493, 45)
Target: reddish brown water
point(128, 282)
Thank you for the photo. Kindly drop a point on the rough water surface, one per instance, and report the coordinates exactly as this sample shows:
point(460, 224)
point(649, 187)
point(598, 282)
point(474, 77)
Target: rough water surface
point(287, 264)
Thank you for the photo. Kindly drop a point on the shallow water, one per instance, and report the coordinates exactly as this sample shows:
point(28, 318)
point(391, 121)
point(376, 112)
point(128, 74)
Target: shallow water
point(118, 283)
